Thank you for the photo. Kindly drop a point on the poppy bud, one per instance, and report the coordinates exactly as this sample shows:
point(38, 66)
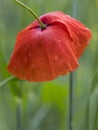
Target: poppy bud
point(43, 54)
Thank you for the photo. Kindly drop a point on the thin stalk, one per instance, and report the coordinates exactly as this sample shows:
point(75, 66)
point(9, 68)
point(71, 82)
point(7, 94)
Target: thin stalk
point(71, 84)
point(71, 100)
point(74, 8)
point(31, 11)
point(6, 81)
point(18, 116)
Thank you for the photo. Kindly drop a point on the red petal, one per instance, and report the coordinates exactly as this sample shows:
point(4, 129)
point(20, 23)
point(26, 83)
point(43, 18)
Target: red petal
point(42, 55)
point(79, 33)
point(29, 60)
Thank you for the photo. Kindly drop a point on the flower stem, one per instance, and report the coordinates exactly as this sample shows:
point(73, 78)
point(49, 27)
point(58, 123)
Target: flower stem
point(71, 80)
point(6, 81)
point(32, 12)
point(71, 100)
point(19, 116)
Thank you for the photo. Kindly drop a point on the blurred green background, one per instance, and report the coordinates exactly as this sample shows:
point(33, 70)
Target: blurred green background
point(45, 106)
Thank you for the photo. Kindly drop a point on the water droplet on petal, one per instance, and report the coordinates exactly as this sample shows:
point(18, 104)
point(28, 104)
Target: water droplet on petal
point(29, 54)
point(56, 57)
point(25, 60)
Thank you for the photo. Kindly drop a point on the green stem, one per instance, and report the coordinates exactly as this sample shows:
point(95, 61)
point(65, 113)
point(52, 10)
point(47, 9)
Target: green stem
point(71, 93)
point(74, 8)
point(71, 101)
point(19, 116)
point(6, 81)
point(32, 12)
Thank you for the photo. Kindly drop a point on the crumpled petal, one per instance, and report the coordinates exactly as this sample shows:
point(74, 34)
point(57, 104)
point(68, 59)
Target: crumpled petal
point(79, 33)
point(42, 55)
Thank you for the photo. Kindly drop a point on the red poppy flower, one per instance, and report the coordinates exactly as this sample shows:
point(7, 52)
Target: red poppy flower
point(44, 54)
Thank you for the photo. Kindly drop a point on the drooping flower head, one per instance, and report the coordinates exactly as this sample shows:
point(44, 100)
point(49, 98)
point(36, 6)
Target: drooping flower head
point(43, 54)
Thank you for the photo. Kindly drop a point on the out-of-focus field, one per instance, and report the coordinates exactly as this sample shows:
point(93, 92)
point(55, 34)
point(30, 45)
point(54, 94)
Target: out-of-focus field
point(45, 106)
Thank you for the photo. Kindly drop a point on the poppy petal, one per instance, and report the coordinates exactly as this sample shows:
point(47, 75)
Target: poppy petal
point(42, 55)
point(79, 33)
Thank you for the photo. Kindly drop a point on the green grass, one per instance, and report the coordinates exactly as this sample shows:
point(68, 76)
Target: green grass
point(45, 106)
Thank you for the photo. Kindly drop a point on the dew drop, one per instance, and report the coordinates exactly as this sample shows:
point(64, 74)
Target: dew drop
point(25, 60)
point(56, 57)
point(29, 54)
point(15, 66)
point(59, 41)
